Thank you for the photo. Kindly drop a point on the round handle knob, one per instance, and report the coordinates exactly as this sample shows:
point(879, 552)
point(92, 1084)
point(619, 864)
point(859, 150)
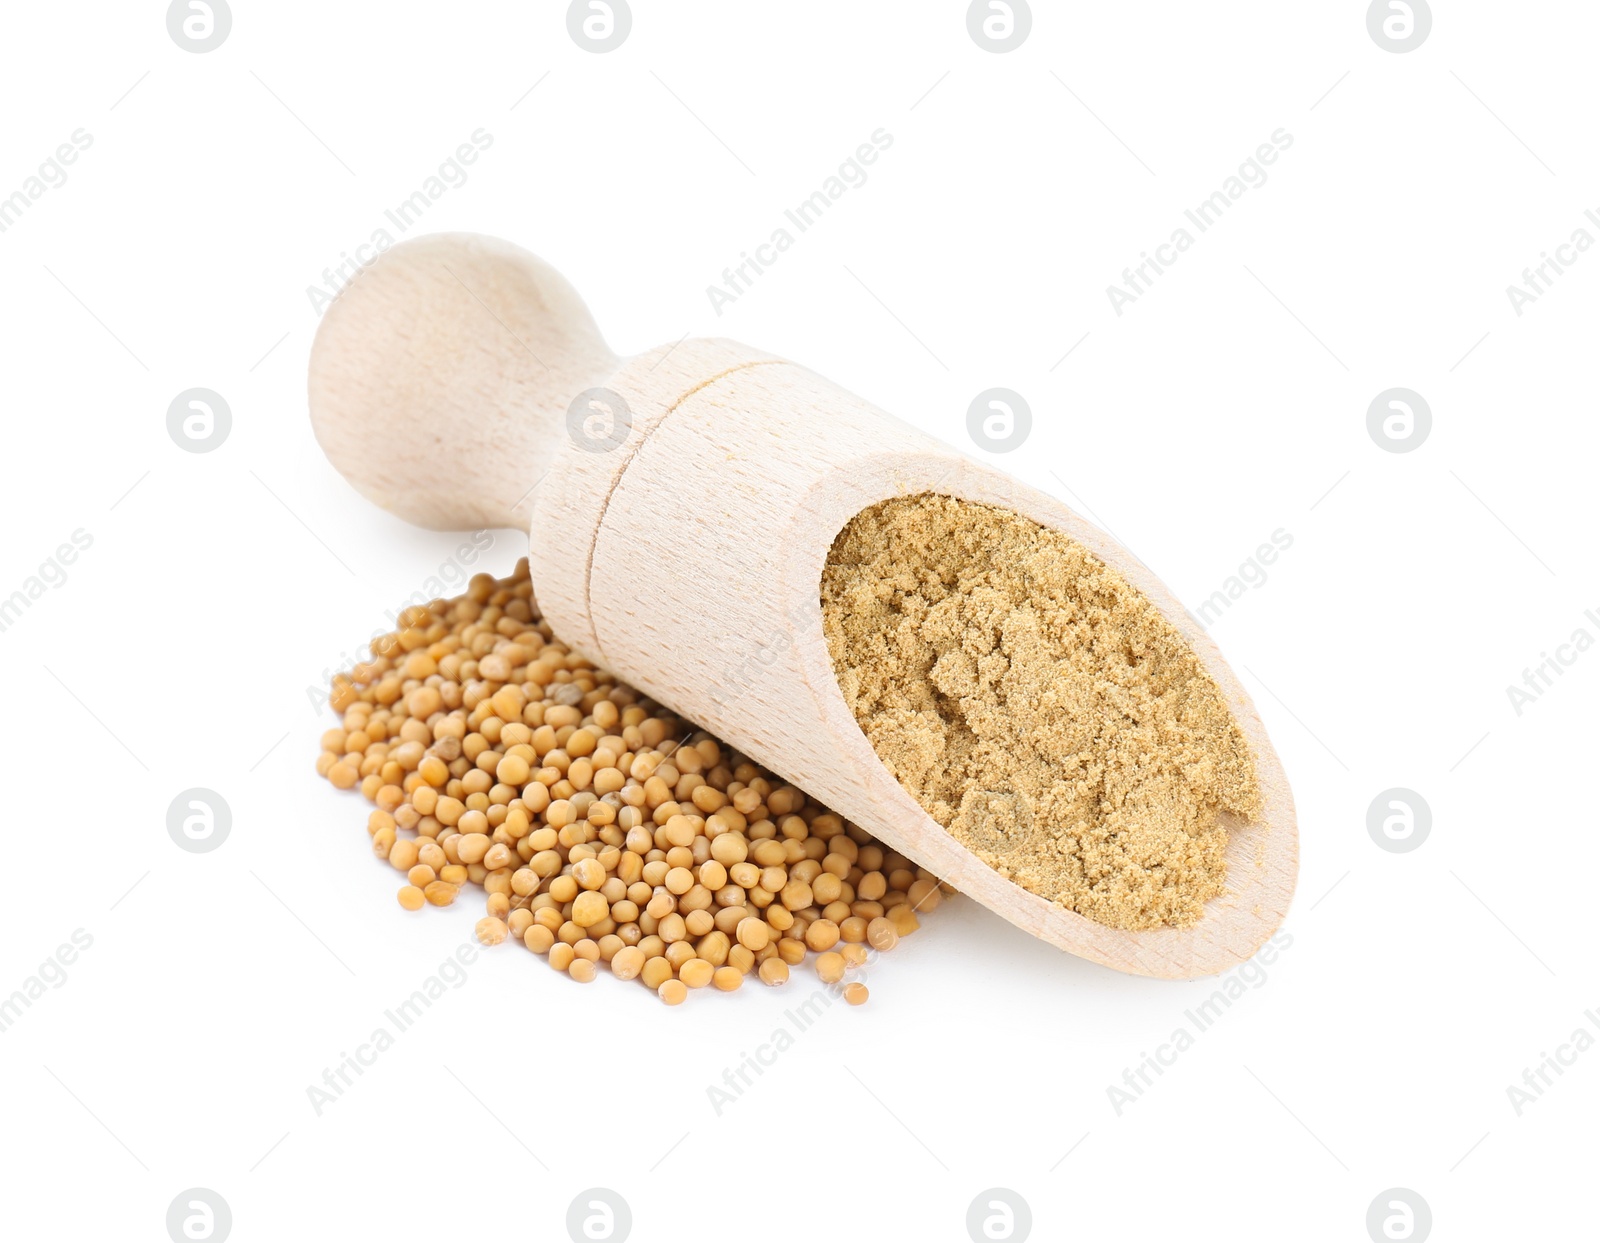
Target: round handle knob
point(441, 376)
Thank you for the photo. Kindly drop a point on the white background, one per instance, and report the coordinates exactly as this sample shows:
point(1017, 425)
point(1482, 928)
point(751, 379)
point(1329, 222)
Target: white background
point(1223, 405)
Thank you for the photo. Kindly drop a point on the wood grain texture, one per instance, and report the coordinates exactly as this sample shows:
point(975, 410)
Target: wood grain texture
point(691, 552)
point(441, 375)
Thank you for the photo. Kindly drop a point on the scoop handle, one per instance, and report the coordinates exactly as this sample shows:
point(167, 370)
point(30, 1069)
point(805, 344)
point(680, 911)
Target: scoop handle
point(442, 375)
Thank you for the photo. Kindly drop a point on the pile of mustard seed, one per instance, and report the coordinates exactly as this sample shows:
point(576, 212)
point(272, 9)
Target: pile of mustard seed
point(604, 830)
point(1038, 706)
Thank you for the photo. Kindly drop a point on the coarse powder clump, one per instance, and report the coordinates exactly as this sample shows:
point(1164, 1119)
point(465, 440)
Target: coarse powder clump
point(1038, 706)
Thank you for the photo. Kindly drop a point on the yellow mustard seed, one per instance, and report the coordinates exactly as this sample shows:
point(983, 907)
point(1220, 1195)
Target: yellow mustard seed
point(774, 971)
point(672, 992)
point(490, 931)
point(696, 973)
point(603, 830)
point(441, 893)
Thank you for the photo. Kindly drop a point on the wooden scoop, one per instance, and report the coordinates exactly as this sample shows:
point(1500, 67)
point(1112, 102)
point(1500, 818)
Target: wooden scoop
point(682, 504)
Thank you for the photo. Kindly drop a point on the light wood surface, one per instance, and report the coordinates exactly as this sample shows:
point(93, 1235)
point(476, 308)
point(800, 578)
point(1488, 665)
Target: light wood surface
point(687, 556)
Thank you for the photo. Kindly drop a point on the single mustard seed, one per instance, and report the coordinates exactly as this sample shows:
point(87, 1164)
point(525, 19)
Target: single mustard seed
point(774, 971)
point(696, 973)
point(822, 935)
point(753, 934)
point(882, 934)
point(490, 931)
point(656, 971)
point(589, 908)
point(441, 893)
point(672, 992)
